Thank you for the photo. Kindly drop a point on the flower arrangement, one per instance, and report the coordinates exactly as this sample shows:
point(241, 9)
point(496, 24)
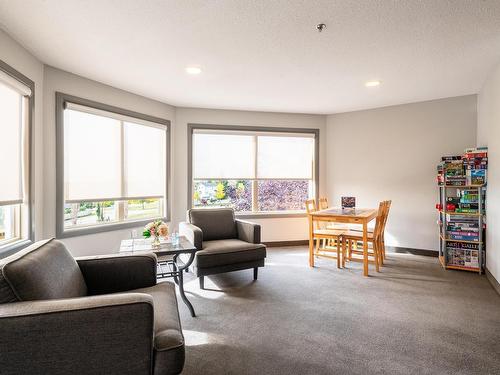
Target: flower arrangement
point(155, 230)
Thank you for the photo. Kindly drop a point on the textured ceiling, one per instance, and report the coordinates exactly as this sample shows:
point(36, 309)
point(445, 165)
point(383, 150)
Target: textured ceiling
point(267, 55)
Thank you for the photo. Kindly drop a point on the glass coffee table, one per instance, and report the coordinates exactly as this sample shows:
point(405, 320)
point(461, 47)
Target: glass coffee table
point(173, 267)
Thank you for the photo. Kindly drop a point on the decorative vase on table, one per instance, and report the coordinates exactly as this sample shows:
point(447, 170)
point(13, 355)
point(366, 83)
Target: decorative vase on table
point(155, 230)
point(155, 242)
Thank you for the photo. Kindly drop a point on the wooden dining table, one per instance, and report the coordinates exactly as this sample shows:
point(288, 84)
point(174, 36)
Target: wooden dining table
point(361, 216)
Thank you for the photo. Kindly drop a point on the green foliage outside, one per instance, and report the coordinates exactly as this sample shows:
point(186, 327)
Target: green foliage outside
point(220, 191)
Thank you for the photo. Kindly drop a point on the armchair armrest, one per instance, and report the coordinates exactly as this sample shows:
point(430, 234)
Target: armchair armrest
point(247, 231)
point(109, 334)
point(192, 233)
point(118, 272)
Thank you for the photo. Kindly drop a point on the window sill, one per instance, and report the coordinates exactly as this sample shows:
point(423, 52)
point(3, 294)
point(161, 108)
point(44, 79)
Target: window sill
point(269, 215)
point(13, 247)
point(82, 231)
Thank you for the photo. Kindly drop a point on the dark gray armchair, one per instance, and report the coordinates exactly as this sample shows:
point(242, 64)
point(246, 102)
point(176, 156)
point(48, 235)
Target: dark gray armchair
point(224, 244)
point(93, 315)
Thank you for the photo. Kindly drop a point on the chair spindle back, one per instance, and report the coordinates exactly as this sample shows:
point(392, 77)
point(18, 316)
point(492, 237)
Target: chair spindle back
point(311, 206)
point(323, 203)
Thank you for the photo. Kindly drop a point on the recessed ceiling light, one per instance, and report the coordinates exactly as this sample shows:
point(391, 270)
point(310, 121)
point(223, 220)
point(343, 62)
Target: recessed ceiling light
point(372, 83)
point(193, 70)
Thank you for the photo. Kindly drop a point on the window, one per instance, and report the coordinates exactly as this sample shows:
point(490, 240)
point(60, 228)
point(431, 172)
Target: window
point(112, 167)
point(253, 170)
point(15, 120)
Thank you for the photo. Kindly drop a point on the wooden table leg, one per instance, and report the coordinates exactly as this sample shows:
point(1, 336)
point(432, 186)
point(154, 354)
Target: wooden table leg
point(365, 248)
point(343, 252)
point(338, 252)
point(311, 242)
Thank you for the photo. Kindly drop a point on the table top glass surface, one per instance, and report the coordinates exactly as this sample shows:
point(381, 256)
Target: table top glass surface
point(166, 246)
point(346, 212)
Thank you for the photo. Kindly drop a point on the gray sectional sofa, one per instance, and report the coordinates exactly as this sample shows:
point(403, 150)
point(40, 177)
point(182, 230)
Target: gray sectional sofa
point(93, 315)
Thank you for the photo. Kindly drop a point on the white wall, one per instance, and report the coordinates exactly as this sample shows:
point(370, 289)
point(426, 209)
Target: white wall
point(488, 134)
point(376, 154)
point(20, 59)
point(392, 153)
point(279, 229)
point(58, 80)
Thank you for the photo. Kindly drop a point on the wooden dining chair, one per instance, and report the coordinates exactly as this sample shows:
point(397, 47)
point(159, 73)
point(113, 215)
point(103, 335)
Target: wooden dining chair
point(323, 205)
point(331, 238)
point(384, 222)
point(374, 240)
point(386, 215)
point(311, 205)
point(310, 208)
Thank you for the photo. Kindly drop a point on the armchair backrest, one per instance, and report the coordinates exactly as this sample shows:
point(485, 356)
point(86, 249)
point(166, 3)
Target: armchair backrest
point(215, 223)
point(44, 270)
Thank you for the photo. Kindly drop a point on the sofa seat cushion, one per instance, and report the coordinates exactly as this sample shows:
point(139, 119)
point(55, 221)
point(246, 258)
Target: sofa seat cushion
point(44, 270)
point(168, 339)
point(223, 252)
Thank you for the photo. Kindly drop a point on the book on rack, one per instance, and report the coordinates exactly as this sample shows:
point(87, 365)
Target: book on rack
point(455, 180)
point(469, 206)
point(463, 233)
point(451, 171)
point(471, 155)
point(467, 210)
point(476, 149)
point(463, 254)
point(451, 158)
point(476, 176)
point(462, 245)
point(460, 237)
point(467, 169)
point(476, 163)
point(463, 257)
point(463, 225)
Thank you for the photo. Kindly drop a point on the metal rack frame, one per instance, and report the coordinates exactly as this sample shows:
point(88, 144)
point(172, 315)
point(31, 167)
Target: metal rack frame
point(443, 254)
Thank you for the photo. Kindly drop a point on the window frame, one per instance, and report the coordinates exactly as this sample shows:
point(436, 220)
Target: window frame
point(16, 245)
point(61, 232)
point(257, 129)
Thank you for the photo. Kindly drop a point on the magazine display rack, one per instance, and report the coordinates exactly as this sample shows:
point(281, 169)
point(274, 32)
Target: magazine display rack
point(462, 213)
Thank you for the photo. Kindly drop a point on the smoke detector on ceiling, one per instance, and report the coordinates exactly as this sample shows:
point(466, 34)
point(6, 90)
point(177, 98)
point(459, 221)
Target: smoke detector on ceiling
point(320, 27)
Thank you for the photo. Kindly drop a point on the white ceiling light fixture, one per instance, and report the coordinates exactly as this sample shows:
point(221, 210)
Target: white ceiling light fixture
point(193, 70)
point(373, 83)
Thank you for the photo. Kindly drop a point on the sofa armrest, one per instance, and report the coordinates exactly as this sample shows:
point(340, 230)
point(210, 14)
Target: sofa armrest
point(118, 272)
point(248, 232)
point(109, 334)
point(192, 233)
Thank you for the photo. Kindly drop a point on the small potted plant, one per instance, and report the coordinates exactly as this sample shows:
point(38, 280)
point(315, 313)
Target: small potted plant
point(155, 230)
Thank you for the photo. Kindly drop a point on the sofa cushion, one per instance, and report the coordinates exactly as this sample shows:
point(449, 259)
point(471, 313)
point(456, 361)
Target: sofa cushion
point(216, 224)
point(221, 252)
point(168, 339)
point(44, 270)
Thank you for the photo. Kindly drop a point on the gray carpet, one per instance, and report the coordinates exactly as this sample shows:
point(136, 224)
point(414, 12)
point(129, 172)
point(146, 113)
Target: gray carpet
point(411, 318)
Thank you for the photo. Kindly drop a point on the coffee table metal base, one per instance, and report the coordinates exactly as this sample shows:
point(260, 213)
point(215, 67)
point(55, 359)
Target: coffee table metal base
point(175, 269)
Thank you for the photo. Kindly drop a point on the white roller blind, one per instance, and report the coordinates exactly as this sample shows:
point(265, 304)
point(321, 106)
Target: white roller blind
point(144, 161)
point(107, 158)
point(103, 113)
point(92, 157)
point(223, 156)
point(289, 157)
point(11, 126)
